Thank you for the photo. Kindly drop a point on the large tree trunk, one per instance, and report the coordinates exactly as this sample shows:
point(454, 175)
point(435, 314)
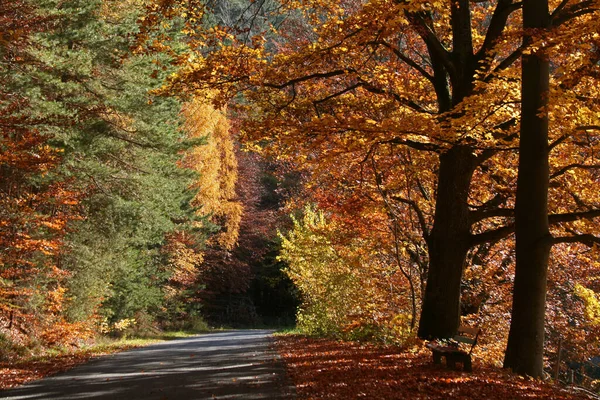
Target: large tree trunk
point(524, 352)
point(448, 245)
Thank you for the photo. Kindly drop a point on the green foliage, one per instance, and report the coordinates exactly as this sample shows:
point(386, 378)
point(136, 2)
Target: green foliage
point(120, 146)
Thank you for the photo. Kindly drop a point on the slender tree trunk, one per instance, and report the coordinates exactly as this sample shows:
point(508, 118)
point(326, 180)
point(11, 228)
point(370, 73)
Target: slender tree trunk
point(524, 352)
point(448, 245)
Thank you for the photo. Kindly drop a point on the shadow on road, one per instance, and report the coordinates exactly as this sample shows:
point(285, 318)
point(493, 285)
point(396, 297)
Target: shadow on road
point(226, 365)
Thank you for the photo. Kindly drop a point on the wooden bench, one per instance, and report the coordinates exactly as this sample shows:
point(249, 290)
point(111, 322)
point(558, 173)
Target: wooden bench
point(451, 350)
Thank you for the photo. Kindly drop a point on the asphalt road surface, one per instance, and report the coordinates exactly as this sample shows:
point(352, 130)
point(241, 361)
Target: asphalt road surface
point(225, 365)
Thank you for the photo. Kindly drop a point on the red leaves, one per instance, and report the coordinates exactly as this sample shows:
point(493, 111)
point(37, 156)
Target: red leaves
point(344, 370)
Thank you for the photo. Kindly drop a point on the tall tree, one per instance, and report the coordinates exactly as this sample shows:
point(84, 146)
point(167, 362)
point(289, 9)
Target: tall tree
point(37, 201)
point(524, 353)
point(525, 348)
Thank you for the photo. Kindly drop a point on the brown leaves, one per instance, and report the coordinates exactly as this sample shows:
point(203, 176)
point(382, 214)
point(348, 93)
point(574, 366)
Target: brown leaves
point(346, 370)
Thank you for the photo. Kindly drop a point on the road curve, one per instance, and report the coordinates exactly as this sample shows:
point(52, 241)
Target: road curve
point(224, 365)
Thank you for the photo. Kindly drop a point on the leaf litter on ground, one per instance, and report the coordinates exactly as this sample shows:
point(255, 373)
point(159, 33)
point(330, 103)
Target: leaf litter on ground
point(329, 369)
point(18, 371)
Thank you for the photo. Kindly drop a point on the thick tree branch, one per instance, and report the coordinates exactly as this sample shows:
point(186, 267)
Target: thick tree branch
point(559, 8)
point(587, 239)
point(462, 36)
point(554, 219)
point(496, 27)
point(402, 100)
point(414, 145)
point(422, 22)
point(480, 215)
point(588, 128)
point(504, 64)
point(318, 75)
point(557, 142)
point(572, 166)
point(493, 235)
point(565, 13)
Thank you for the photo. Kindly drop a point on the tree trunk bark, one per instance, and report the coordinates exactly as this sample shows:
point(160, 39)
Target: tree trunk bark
point(524, 352)
point(448, 244)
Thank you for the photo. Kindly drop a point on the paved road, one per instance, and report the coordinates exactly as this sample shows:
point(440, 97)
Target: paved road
point(225, 365)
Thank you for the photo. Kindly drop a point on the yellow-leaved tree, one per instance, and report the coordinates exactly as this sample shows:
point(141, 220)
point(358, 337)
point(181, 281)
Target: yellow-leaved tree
point(346, 292)
point(216, 164)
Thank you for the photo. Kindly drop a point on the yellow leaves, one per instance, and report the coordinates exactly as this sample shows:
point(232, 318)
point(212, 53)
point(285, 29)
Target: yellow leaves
point(216, 164)
point(345, 287)
point(592, 304)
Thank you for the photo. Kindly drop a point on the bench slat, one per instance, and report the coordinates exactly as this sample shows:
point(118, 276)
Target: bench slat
point(468, 330)
point(463, 339)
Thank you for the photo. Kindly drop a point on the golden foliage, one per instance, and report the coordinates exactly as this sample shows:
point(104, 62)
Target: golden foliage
point(346, 291)
point(216, 164)
point(592, 304)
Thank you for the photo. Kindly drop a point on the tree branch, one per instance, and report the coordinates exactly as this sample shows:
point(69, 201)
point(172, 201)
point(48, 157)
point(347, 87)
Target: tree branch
point(493, 235)
point(507, 62)
point(496, 27)
point(587, 239)
point(573, 166)
point(554, 219)
point(480, 215)
point(404, 101)
point(422, 23)
point(407, 60)
point(318, 75)
point(341, 92)
point(564, 14)
point(417, 211)
point(414, 145)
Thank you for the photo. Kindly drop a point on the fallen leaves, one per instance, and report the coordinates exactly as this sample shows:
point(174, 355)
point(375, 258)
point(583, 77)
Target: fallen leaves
point(323, 368)
point(14, 374)
point(17, 372)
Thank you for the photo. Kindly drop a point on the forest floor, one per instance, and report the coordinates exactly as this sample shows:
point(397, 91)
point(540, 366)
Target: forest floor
point(327, 369)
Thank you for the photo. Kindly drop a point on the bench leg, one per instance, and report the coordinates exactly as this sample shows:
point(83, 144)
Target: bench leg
point(437, 357)
point(467, 364)
point(451, 361)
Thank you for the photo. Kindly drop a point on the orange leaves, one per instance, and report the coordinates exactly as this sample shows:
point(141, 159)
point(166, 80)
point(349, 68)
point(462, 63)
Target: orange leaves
point(36, 205)
point(184, 261)
point(328, 369)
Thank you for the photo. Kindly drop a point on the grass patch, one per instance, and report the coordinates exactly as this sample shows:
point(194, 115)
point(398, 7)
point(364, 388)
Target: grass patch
point(288, 331)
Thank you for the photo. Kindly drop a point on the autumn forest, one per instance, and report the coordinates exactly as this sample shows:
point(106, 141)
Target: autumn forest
point(379, 171)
